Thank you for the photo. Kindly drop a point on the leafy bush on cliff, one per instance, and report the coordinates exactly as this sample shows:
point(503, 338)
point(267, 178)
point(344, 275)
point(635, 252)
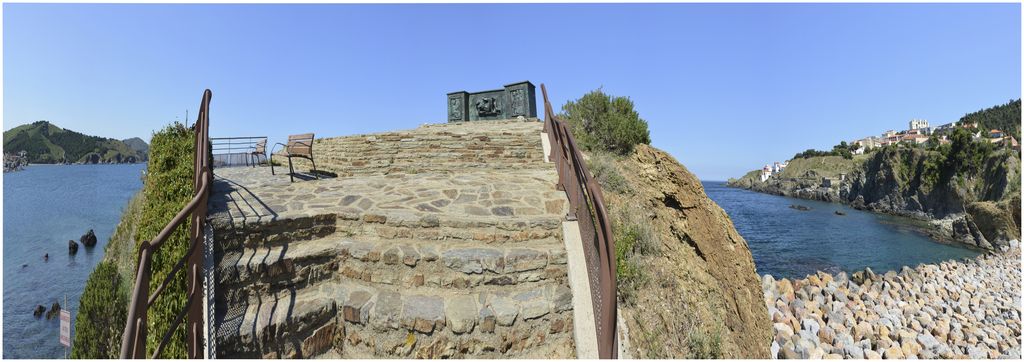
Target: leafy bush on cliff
point(964, 156)
point(602, 122)
point(102, 312)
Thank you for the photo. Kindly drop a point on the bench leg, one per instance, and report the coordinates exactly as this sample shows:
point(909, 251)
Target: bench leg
point(314, 168)
point(291, 171)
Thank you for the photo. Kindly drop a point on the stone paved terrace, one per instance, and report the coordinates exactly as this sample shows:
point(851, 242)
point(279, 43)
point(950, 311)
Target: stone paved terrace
point(242, 194)
point(464, 258)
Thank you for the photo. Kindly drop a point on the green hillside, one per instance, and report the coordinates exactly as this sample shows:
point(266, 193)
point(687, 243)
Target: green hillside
point(1005, 117)
point(47, 143)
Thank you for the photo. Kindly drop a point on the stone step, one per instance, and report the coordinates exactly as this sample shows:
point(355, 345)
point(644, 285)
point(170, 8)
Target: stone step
point(287, 323)
point(494, 230)
point(246, 272)
point(365, 319)
point(439, 322)
point(402, 262)
point(458, 265)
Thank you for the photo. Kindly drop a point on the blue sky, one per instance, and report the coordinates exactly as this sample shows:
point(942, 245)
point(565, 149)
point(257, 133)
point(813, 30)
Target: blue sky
point(725, 87)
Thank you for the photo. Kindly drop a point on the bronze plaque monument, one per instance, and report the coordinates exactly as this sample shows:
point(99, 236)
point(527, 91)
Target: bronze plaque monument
point(514, 100)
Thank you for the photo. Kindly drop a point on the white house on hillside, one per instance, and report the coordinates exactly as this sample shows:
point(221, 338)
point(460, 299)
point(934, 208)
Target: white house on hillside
point(918, 124)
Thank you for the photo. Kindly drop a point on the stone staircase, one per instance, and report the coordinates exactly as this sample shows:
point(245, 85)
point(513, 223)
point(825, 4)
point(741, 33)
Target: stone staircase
point(449, 246)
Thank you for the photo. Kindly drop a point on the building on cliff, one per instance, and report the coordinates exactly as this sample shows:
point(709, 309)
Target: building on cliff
point(918, 124)
point(766, 172)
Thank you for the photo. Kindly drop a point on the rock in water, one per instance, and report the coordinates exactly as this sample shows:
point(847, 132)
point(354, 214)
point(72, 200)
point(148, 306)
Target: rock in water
point(840, 213)
point(799, 207)
point(54, 311)
point(89, 239)
point(38, 312)
point(72, 247)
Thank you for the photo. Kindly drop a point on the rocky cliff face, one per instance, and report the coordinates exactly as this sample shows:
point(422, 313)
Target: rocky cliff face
point(699, 295)
point(977, 210)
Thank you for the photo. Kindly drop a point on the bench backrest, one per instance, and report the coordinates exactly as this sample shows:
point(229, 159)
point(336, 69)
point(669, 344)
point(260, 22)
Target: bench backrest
point(301, 145)
point(261, 147)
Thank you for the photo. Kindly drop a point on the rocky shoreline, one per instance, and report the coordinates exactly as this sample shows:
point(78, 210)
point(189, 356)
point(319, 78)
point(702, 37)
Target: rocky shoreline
point(954, 309)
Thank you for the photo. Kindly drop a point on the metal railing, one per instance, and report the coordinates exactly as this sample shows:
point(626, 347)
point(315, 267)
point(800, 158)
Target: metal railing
point(133, 342)
point(234, 151)
point(586, 205)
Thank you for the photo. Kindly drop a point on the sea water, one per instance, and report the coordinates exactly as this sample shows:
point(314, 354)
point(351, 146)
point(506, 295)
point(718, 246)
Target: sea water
point(44, 207)
point(791, 243)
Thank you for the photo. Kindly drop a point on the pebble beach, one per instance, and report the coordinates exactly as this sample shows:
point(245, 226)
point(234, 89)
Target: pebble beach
point(967, 308)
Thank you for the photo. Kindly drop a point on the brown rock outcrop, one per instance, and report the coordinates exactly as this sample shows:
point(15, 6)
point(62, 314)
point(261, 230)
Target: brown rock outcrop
point(702, 296)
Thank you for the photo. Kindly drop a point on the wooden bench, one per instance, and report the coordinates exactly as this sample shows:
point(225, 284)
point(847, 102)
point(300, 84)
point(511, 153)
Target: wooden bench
point(260, 149)
point(301, 146)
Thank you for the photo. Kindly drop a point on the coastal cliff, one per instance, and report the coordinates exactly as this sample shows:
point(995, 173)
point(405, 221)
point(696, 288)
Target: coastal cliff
point(962, 180)
point(687, 281)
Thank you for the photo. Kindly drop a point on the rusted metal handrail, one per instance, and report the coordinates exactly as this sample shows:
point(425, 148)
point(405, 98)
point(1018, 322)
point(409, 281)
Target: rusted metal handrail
point(133, 341)
point(586, 204)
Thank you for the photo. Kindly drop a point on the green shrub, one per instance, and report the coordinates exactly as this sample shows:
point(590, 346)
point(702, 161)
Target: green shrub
point(603, 122)
point(101, 316)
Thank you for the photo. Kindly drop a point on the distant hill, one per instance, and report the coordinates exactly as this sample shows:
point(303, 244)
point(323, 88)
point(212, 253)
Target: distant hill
point(137, 144)
point(45, 142)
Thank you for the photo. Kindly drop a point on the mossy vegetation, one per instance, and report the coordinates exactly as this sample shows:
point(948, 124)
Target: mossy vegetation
point(167, 187)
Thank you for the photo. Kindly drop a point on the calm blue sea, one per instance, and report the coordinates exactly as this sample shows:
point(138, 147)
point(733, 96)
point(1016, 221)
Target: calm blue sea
point(791, 243)
point(44, 207)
